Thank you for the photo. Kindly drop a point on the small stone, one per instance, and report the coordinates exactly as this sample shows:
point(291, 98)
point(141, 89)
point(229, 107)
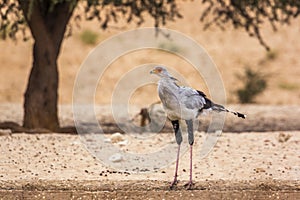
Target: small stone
point(123, 143)
point(107, 140)
point(259, 170)
point(282, 137)
point(116, 157)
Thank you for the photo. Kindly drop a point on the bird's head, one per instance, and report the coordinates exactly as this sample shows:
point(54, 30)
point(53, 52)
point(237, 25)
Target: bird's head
point(160, 71)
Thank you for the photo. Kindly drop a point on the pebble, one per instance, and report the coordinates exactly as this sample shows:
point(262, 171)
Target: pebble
point(107, 140)
point(259, 170)
point(116, 157)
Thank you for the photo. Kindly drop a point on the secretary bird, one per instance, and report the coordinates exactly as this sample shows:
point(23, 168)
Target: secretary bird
point(183, 103)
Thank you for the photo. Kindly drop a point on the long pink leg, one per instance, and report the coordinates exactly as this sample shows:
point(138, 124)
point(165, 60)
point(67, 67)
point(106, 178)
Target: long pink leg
point(191, 142)
point(175, 181)
point(190, 183)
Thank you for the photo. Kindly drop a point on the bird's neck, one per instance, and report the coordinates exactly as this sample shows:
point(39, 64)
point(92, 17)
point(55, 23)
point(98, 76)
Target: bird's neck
point(168, 82)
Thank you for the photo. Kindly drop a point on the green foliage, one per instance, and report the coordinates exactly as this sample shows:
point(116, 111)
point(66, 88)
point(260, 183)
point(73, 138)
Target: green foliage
point(131, 10)
point(288, 86)
point(11, 20)
point(254, 83)
point(89, 37)
point(105, 12)
point(250, 15)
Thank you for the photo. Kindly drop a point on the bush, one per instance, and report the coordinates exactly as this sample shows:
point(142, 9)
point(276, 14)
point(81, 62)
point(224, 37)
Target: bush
point(89, 37)
point(288, 86)
point(254, 84)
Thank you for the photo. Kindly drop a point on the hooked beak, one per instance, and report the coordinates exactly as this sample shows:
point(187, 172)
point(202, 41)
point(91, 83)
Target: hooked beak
point(154, 71)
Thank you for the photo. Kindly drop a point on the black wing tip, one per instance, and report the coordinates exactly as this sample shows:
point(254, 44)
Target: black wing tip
point(201, 93)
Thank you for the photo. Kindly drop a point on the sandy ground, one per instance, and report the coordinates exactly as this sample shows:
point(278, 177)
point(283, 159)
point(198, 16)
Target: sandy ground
point(58, 164)
point(245, 165)
point(260, 118)
point(63, 157)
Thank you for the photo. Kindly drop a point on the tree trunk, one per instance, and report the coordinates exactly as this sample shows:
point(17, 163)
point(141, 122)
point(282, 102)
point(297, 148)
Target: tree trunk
point(40, 106)
point(41, 96)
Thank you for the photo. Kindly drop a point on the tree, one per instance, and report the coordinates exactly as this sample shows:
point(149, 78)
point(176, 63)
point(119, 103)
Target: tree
point(250, 14)
point(48, 20)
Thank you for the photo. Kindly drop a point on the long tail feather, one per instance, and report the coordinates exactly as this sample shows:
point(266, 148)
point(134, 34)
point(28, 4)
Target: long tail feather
point(220, 108)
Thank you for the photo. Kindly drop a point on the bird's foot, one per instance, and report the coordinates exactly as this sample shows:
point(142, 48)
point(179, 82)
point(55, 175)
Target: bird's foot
point(189, 185)
point(173, 184)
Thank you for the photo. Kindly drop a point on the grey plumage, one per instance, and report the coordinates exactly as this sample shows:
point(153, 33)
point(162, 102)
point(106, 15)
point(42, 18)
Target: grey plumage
point(183, 103)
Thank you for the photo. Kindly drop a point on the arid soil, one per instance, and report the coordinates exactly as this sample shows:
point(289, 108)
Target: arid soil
point(150, 190)
point(260, 118)
point(246, 165)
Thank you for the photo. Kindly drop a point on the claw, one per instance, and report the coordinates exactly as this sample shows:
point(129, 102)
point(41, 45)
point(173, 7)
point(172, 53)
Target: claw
point(174, 183)
point(189, 185)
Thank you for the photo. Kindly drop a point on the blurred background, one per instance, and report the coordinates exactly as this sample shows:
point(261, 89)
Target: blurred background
point(271, 77)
